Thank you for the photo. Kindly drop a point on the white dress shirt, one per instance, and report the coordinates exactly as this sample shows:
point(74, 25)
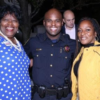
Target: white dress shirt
point(71, 32)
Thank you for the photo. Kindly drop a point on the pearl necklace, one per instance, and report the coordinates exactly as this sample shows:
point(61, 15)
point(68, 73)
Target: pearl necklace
point(18, 46)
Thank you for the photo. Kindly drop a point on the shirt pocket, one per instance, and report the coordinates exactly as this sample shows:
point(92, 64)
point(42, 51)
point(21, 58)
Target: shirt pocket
point(63, 62)
point(39, 60)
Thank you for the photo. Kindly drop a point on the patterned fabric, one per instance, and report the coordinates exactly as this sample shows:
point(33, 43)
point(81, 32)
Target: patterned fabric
point(14, 76)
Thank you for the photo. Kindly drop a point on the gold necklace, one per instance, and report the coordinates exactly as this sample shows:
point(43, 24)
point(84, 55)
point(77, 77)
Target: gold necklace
point(18, 46)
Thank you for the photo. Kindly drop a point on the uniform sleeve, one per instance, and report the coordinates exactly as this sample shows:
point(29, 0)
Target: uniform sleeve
point(74, 85)
point(27, 48)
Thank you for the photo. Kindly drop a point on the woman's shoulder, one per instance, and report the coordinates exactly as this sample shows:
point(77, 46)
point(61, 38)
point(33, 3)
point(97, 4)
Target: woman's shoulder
point(1, 39)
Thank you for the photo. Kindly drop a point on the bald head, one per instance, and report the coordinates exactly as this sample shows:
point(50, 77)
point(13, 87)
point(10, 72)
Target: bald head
point(53, 23)
point(69, 19)
point(51, 12)
point(68, 13)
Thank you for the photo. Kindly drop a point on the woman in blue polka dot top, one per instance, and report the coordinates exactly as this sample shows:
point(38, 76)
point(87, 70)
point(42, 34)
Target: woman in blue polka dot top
point(14, 76)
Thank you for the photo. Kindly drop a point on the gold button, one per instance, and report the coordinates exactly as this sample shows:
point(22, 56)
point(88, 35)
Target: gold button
point(52, 86)
point(65, 57)
point(51, 54)
point(50, 65)
point(37, 55)
point(51, 75)
point(52, 45)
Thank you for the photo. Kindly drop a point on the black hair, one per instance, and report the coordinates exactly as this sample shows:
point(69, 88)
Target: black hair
point(95, 25)
point(96, 28)
point(11, 9)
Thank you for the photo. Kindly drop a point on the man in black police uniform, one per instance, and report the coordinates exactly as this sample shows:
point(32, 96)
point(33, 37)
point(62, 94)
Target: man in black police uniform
point(52, 54)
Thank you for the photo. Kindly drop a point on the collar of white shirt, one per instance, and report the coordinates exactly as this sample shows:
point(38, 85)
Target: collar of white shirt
point(71, 32)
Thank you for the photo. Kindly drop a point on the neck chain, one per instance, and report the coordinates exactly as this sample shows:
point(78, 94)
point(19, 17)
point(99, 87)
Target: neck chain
point(18, 46)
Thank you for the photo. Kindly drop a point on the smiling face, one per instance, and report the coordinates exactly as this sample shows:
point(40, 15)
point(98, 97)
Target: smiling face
point(9, 25)
point(86, 32)
point(53, 23)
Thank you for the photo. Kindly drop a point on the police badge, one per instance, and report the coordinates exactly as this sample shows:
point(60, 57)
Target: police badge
point(66, 48)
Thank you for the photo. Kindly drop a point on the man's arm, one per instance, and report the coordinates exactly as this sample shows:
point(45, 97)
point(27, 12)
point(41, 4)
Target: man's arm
point(27, 48)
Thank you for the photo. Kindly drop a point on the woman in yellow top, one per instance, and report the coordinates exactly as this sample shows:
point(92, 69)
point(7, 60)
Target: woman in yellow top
point(85, 72)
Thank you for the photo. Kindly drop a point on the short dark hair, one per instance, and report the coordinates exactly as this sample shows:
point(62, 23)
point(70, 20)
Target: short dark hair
point(11, 9)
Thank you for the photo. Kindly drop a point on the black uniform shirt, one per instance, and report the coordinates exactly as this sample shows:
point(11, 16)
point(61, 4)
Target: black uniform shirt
point(51, 62)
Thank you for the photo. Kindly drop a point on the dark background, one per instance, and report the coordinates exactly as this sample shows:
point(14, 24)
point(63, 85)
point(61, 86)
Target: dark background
point(88, 10)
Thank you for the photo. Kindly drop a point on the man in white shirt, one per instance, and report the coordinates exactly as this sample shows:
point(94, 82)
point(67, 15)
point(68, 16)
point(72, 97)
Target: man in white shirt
point(69, 26)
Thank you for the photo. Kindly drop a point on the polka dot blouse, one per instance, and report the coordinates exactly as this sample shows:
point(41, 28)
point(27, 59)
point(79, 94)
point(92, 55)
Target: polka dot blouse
point(14, 76)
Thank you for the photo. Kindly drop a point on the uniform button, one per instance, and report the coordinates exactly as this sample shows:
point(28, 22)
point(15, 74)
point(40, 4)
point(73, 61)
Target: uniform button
point(52, 86)
point(52, 45)
point(51, 75)
point(51, 65)
point(51, 54)
point(65, 57)
point(37, 55)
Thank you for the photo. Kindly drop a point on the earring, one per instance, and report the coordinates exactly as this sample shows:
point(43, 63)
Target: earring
point(17, 31)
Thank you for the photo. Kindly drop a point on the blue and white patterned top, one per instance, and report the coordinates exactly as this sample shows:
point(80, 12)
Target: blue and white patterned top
point(14, 76)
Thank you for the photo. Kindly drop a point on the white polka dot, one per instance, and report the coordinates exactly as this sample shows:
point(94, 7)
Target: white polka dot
point(15, 56)
point(6, 96)
point(16, 63)
point(9, 64)
point(11, 82)
point(4, 62)
point(8, 49)
point(9, 92)
point(1, 66)
point(5, 91)
point(13, 72)
point(2, 95)
point(3, 56)
point(13, 60)
point(1, 50)
point(7, 80)
point(4, 85)
point(8, 58)
point(6, 74)
point(15, 85)
point(9, 70)
point(10, 76)
point(2, 72)
point(1, 89)
point(6, 52)
point(4, 47)
point(8, 87)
